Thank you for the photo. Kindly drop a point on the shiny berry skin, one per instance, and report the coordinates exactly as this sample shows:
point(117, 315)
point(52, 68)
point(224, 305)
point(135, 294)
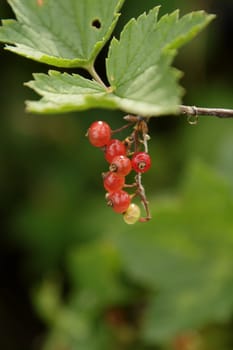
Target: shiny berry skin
point(141, 162)
point(119, 201)
point(132, 214)
point(121, 165)
point(99, 134)
point(113, 182)
point(114, 148)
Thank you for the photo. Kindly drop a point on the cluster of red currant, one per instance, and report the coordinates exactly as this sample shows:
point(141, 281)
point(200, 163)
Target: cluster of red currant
point(123, 157)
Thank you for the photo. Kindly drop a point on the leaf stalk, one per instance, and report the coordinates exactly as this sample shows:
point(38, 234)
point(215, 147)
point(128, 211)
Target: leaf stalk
point(96, 76)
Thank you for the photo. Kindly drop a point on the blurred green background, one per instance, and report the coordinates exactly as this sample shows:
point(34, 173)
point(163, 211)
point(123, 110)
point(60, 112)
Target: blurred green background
point(73, 275)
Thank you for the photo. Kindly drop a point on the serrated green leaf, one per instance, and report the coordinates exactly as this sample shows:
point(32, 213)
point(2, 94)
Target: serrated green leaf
point(154, 92)
point(138, 65)
point(184, 256)
point(63, 92)
point(67, 33)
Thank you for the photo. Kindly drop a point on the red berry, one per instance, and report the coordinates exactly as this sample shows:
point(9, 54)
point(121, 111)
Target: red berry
point(141, 162)
point(113, 182)
point(121, 165)
point(114, 148)
point(99, 134)
point(119, 201)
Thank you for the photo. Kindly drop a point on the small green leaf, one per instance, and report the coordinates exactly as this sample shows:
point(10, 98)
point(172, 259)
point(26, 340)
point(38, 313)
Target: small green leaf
point(63, 92)
point(138, 65)
point(67, 33)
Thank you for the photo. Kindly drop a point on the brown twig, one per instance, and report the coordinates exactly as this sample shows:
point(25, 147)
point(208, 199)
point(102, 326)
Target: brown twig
point(213, 112)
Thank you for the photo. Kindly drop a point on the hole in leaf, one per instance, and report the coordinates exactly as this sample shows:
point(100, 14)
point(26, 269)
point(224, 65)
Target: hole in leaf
point(96, 23)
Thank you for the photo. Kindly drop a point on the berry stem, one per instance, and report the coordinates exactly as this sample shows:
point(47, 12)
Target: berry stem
point(130, 185)
point(145, 143)
point(141, 193)
point(122, 128)
point(136, 139)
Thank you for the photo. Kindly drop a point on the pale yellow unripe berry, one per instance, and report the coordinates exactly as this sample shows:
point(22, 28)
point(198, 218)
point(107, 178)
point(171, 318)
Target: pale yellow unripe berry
point(132, 214)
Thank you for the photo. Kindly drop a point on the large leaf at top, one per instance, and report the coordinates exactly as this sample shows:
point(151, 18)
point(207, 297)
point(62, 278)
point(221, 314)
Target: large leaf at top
point(184, 257)
point(62, 33)
point(138, 67)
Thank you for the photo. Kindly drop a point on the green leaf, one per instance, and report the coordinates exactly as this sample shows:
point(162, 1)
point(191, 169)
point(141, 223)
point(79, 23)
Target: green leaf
point(184, 257)
point(138, 65)
point(67, 33)
point(47, 300)
point(63, 92)
point(95, 273)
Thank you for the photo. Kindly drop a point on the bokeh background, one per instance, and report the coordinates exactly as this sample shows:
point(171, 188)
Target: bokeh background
point(72, 274)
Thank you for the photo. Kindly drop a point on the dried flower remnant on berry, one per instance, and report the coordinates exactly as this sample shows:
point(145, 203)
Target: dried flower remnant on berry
point(141, 162)
point(121, 165)
point(119, 201)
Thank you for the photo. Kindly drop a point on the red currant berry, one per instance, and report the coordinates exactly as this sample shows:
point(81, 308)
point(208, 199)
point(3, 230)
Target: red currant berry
point(113, 182)
point(114, 148)
point(121, 165)
point(119, 201)
point(141, 162)
point(99, 134)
